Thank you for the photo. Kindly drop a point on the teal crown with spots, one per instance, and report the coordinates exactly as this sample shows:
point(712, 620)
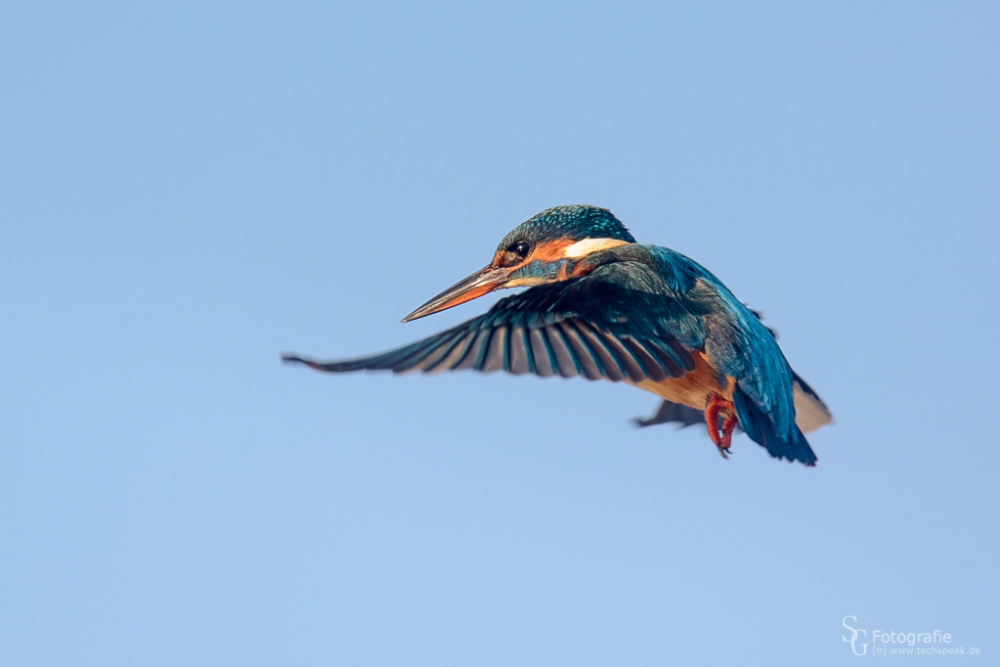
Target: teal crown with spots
point(575, 222)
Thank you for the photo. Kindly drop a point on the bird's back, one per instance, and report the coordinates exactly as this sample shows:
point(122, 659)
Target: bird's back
point(673, 293)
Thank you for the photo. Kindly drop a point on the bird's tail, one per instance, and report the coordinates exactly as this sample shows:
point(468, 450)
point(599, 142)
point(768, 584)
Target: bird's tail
point(791, 445)
point(810, 410)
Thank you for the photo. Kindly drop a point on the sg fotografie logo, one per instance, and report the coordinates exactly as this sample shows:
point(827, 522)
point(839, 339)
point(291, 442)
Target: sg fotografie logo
point(854, 636)
point(928, 642)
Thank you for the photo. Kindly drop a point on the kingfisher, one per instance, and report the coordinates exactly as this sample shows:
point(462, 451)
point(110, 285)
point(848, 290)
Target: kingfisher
point(602, 306)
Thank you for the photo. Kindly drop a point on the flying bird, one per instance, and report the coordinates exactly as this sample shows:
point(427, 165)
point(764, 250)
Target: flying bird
point(602, 306)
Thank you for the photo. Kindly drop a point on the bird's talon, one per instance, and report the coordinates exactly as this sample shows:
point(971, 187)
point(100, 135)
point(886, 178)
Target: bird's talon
point(719, 408)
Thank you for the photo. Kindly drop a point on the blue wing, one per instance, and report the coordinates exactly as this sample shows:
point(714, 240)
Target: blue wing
point(553, 329)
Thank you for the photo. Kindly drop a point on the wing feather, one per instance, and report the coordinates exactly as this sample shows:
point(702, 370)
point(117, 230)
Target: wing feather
point(478, 339)
point(496, 357)
point(589, 363)
point(632, 366)
point(613, 370)
point(655, 370)
point(545, 358)
point(520, 352)
point(482, 348)
point(566, 361)
point(454, 352)
point(439, 352)
point(554, 329)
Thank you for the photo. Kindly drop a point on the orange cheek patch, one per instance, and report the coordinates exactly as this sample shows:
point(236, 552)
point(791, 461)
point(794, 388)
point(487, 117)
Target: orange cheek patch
point(550, 251)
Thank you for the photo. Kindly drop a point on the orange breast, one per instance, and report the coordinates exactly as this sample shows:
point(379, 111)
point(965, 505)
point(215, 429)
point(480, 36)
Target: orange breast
point(694, 388)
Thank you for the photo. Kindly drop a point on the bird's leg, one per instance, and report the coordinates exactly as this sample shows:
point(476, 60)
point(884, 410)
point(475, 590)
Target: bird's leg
point(714, 408)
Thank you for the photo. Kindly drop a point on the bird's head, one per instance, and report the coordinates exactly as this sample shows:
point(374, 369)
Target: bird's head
point(544, 249)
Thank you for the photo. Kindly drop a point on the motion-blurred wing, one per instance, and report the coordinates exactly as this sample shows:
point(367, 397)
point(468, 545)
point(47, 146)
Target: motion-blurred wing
point(672, 413)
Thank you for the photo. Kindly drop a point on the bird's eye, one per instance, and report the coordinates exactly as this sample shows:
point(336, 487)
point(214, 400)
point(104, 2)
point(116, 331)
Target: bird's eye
point(522, 248)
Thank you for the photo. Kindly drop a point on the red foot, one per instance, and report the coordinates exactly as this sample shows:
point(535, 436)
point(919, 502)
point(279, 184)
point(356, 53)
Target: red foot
point(715, 408)
point(727, 431)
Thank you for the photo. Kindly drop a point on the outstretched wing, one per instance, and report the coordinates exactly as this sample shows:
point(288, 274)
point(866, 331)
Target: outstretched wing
point(592, 326)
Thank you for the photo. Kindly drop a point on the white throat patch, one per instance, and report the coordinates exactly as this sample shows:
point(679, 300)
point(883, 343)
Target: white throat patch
point(587, 246)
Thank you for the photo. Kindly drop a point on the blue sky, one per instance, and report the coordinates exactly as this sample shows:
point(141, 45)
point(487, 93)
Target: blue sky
point(188, 191)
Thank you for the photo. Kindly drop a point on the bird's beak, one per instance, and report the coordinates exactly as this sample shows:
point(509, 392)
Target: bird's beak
point(479, 283)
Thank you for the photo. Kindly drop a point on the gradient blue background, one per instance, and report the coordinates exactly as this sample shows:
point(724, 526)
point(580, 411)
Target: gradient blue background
point(188, 191)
